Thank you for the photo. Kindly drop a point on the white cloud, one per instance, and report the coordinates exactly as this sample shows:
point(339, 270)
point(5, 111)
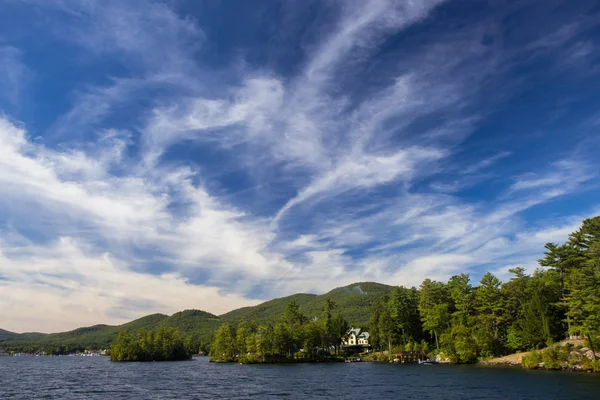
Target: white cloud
point(340, 169)
point(486, 162)
point(71, 189)
point(62, 286)
point(363, 172)
point(564, 173)
point(435, 267)
point(360, 27)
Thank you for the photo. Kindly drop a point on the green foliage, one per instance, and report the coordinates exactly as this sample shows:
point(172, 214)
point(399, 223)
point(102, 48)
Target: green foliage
point(434, 308)
point(531, 360)
point(224, 345)
point(165, 344)
point(557, 357)
point(353, 303)
point(551, 358)
point(293, 338)
point(395, 320)
point(494, 318)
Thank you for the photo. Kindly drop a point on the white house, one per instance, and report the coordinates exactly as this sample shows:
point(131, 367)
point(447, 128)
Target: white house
point(356, 337)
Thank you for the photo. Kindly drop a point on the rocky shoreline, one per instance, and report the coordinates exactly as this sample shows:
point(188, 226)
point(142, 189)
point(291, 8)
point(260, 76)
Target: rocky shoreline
point(554, 358)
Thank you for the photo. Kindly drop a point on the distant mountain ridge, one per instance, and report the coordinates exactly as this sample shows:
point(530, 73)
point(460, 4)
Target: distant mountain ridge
point(354, 302)
point(6, 334)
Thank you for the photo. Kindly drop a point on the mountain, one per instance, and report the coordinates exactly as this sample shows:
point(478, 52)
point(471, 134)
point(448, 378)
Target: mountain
point(7, 335)
point(96, 336)
point(200, 324)
point(354, 302)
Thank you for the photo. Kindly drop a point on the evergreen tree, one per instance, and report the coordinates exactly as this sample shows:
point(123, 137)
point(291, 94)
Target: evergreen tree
point(490, 306)
point(434, 308)
point(224, 344)
point(166, 344)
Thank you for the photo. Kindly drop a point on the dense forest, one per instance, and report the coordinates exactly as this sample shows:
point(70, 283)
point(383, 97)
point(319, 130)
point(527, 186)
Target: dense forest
point(459, 319)
point(293, 337)
point(465, 322)
point(165, 344)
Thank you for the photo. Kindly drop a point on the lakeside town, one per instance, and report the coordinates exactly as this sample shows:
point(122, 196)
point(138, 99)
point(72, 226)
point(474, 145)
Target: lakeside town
point(85, 353)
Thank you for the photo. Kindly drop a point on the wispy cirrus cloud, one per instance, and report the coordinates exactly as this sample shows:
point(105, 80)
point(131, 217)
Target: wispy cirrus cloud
point(561, 176)
point(14, 74)
point(384, 145)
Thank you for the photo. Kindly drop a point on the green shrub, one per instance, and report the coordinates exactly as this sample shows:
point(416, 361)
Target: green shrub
point(531, 360)
point(468, 358)
point(248, 359)
point(551, 358)
point(453, 358)
point(587, 364)
point(565, 352)
point(573, 362)
point(514, 339)
point(552, 366)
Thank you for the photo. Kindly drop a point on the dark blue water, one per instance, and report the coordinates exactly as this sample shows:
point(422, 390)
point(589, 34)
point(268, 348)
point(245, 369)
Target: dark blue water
point(98, 378)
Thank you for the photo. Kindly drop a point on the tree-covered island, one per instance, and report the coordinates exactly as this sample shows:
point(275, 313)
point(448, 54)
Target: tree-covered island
point(293, 338)
point(165, 344)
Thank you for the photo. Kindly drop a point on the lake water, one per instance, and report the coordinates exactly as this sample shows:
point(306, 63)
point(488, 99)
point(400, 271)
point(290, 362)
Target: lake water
point(98, 378)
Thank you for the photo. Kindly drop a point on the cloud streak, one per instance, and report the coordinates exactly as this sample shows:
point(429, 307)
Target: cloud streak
point(171, 174)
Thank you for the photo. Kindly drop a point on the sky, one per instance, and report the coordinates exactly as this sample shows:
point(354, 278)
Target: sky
point(160, 156)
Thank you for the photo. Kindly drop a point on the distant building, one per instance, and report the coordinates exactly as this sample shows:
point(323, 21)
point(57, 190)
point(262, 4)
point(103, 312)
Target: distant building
point(94, 353)
point(3, 352)
point(356, 338)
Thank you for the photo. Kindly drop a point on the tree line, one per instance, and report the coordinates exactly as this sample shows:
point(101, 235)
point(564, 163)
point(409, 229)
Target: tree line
point(466, 322)
point(293, 337)
point(164, 344)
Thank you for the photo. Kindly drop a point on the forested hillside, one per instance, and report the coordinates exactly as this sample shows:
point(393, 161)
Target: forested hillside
point(7, 335)
point(91, 337)
point(354, 304)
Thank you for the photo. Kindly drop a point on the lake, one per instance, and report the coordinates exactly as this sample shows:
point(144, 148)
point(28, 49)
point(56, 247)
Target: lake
point(98, 378)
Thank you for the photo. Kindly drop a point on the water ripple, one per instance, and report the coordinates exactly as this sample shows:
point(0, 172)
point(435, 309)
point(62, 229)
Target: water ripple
point(97, 378)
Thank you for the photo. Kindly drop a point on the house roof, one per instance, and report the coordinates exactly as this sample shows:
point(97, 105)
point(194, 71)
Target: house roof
point(355, 331)
point(359, 333)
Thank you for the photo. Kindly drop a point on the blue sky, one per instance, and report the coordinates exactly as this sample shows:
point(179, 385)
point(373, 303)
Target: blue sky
point(158, 156)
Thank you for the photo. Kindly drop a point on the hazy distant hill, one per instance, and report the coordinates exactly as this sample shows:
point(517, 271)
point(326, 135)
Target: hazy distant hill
point(354, 302)
point(7, 335)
